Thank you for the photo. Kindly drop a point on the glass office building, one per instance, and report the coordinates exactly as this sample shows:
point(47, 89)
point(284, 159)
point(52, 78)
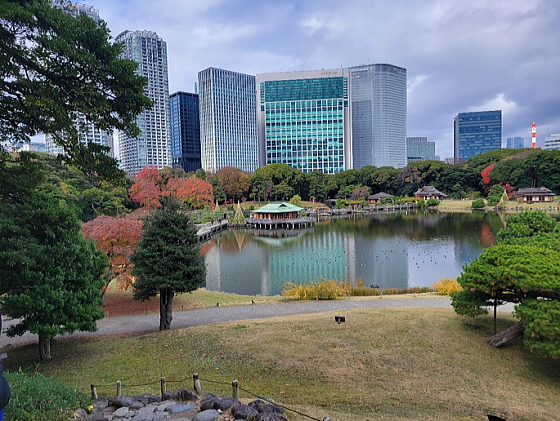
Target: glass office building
point(153, 146)
point(552, 142)
point(304, 120)
point(185, 130)
point(228, 122)
point(476, 133)
point(379, 115)
point(419, 149)
point(515, 142)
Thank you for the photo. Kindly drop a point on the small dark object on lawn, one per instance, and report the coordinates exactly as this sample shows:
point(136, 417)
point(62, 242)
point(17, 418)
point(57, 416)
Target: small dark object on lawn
point(253, 302)
point(217, 304)
point(339, 319)
point(495, 418)
point(374, 286)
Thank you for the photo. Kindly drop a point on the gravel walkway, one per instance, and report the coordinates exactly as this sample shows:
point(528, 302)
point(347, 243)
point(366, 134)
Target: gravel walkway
point(150, 322)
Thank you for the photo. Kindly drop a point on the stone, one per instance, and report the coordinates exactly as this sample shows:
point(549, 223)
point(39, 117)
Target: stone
point(208, 415)
point(146, 411)
point(80, 415)
point(187, 395)
point(166, 404)
point(244, 412)
point(177, 409)
point(98, 417)
point(147, 398)
point(100, 404)
point(160, 416)
point(137, 405)
point(123, 412)
point(208, 401)
point(121, 401)
point(268, 407)
point(168, 396)
point(225, 403)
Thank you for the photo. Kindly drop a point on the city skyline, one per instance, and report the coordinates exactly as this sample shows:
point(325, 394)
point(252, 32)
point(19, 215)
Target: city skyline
point(459, 56)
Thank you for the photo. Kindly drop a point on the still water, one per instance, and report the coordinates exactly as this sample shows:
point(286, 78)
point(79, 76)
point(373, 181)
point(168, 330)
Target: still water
point(391, 250)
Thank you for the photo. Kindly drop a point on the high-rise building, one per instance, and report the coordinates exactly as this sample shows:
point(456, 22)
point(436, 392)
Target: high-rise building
point(185, 130)
point(304, 120)
point(476, 133)
point(552, 142)
point(515, 142)
point(88, 132)
point(228, 126)
point(152, 147)
point(379, 115)
point(419, 149)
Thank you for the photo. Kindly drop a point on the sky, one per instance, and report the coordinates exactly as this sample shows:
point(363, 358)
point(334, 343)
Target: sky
point(460, 55)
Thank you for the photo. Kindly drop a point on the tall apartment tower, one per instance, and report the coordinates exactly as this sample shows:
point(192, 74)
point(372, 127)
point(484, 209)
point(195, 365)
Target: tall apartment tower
point(379, 115)
point(185, 130)
point(228, 126)
point(89, 133)
point(153, 146)
point(419, 149)
point(304, 120)
point(515, 142)
point(477, 132)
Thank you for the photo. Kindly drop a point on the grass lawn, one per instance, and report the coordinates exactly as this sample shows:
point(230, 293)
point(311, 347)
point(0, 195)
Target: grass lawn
point(382, 364)
point(511, 205)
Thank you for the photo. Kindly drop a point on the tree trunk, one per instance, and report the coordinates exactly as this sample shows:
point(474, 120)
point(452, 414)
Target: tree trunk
point(165, 308)
point(507, 335)
point(44, 348)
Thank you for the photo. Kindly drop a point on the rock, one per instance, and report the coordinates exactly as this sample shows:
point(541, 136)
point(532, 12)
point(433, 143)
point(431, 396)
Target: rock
point(177, 409)
point(208, 401)
point(123, 412)
point(208, 415)
point(147, 398)
point(164, 405)
point(187, 395)
point(80, 415)
point(100, 404)
point(244, 412)
point(168, 396)
point(225, 403)
point(160, 416)
point(268, 407)
point(121, 401)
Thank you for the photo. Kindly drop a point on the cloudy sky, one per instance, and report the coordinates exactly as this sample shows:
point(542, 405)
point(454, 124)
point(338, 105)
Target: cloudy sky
point(460, 55)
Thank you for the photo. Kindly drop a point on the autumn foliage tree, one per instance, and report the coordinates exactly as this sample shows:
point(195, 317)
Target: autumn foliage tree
point(233, 182)
point(152, 184)
point(118, 238)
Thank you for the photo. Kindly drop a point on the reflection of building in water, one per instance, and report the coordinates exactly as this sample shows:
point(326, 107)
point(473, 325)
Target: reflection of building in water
point(382, 261)
point(314, 257)
point(240, 272)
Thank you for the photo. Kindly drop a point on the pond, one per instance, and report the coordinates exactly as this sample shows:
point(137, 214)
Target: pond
point(391, 250)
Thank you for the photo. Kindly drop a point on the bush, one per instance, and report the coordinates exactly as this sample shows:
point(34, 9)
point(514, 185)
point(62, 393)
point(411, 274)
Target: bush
point(478, 204)
point(432, 202)
point(493, 200)
point(421, 203)
point(446, 286)
point(324, 289)
point(35, 397)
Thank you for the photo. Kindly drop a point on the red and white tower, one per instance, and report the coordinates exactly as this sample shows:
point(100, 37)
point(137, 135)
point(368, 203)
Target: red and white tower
point(534, 135)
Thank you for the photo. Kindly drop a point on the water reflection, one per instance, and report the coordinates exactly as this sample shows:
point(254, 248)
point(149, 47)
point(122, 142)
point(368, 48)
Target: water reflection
point(390, 250)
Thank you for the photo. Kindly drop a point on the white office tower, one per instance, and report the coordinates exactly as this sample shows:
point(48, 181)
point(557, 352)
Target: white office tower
point(153, 146)
point(379, 115)
point(228, 120)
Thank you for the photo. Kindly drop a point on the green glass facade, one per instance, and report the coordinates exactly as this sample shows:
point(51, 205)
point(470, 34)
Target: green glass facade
point(304, 122)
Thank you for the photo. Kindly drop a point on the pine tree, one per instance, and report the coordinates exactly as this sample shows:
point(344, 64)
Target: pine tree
point(167, 260)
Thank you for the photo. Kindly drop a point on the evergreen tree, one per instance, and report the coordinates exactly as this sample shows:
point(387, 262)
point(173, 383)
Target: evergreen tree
point(167, 260)
point(50, 275)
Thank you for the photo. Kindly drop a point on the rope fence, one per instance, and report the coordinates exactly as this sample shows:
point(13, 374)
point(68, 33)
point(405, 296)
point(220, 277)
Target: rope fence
point(235, 389)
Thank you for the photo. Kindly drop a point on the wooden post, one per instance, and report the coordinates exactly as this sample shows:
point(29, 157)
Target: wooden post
point(197, 387)
point(163, 386)
point(93, 392)
point(118, 388)
point(235, 389)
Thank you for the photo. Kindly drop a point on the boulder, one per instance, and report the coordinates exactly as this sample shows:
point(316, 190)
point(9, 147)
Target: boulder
point(244, 412)
point(208, 415)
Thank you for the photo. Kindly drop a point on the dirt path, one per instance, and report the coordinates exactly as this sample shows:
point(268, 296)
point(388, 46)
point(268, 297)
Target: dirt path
point(150, 322)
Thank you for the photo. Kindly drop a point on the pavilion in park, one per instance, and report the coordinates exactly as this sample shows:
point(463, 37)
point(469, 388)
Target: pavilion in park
point(278, 215)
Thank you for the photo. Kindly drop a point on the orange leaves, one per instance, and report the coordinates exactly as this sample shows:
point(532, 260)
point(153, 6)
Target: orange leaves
point(118, 238)
point(151, 184)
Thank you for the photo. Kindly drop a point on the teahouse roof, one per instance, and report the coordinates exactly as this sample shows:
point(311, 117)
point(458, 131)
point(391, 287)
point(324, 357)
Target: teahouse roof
point(380, 195)
point(278, 208)
point(532, 191)
point(429, 191)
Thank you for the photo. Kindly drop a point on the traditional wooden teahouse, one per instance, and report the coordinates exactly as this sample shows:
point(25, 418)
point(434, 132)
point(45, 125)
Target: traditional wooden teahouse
point(278, 215)
point(378, 197)
point(532, 195)
point(430, 192)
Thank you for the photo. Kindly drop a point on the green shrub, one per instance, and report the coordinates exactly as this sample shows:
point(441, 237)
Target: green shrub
point(478, 204)
point(37, 398)
point(432, 202)
point(421, 203)
point(493, 200)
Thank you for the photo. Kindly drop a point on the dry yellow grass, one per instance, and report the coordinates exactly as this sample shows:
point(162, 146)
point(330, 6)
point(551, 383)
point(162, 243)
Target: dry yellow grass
point(382, 364)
